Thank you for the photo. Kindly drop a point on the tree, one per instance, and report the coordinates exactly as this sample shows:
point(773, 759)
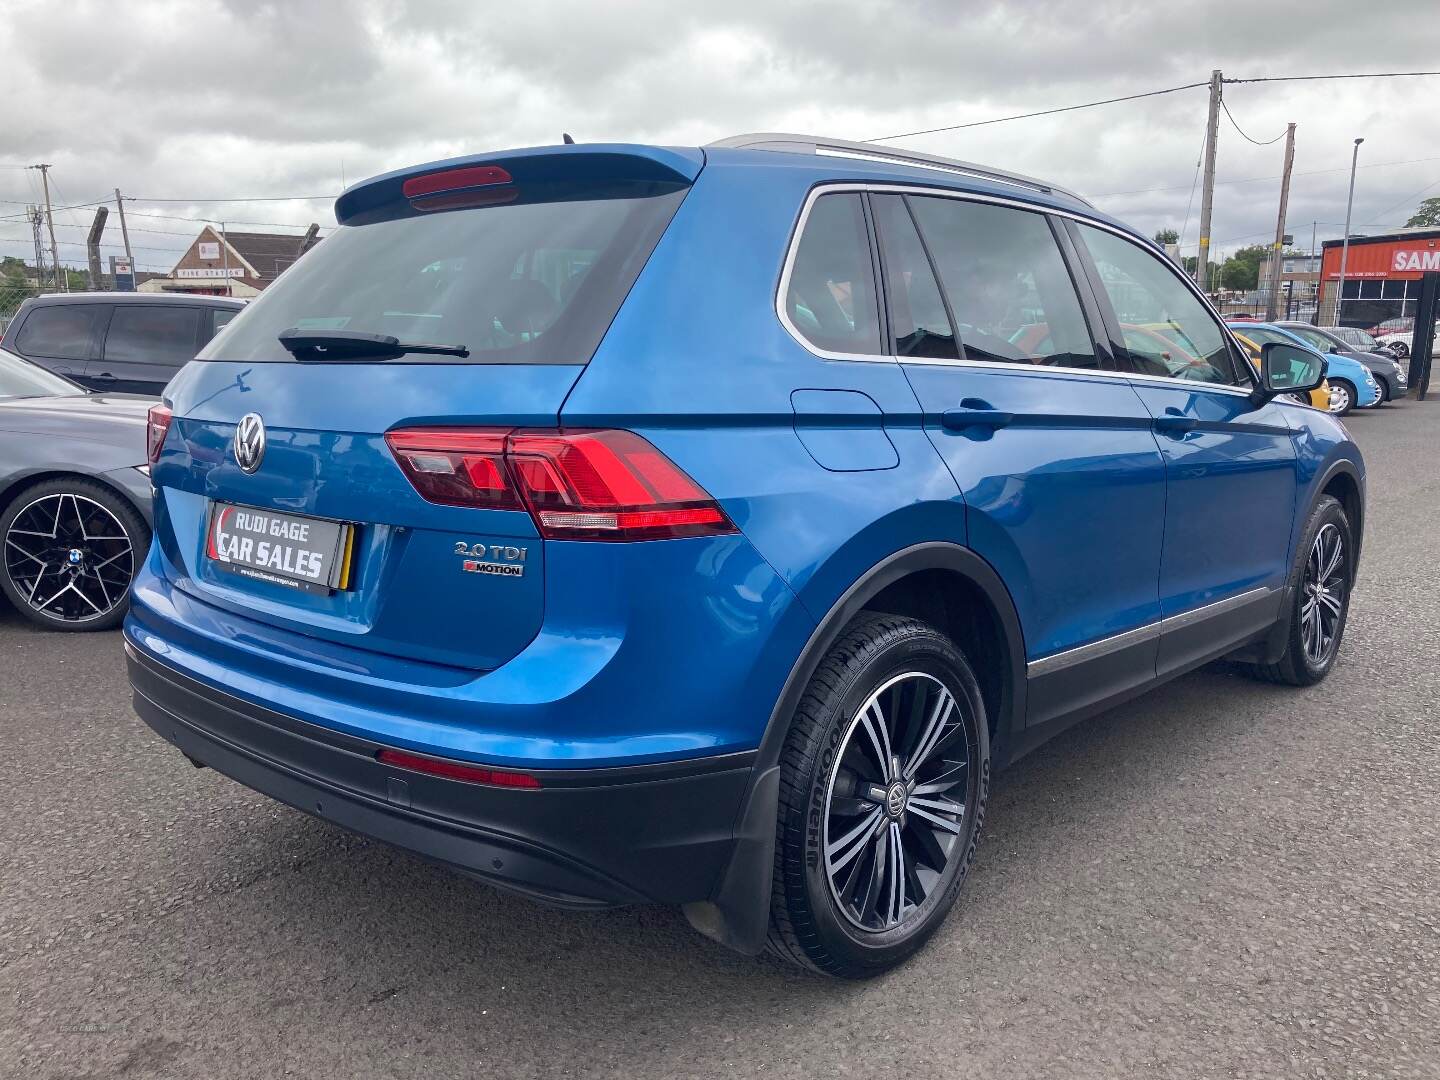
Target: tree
point(1242, 270)
point(1426, 216)
point(1166, 236)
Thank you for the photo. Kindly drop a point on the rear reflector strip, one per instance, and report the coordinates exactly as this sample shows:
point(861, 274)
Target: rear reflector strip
point(456, 770)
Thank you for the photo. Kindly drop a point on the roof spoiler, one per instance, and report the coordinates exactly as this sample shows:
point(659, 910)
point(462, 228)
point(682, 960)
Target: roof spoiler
point(578, 163)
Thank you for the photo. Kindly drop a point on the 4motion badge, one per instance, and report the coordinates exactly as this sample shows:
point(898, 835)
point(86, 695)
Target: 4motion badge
point(501, 560)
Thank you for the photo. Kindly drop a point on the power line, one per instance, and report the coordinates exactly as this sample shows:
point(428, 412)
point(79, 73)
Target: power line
point(1236, 125)
point(259, 198)
point(1260, 179)
point(1041, 112)
point(1357, 75)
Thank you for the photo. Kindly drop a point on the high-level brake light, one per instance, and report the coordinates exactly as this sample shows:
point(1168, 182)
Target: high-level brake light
point(576, 485)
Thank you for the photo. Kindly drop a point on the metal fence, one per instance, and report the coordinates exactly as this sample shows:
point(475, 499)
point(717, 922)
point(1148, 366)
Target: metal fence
point(13, 293)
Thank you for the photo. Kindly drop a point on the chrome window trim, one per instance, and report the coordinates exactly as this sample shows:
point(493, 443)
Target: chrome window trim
point(823, 189)
point(1047, 665)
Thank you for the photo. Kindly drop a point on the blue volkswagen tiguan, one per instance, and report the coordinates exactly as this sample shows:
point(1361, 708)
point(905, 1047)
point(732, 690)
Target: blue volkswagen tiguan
point(627, 524)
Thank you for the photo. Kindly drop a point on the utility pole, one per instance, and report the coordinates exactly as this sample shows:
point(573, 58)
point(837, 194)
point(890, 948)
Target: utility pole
point(225, 256)
point(1273, 299)
point(124, 232)
point(1345, 244)
point(35, 220)
point(1207, 196)
point(50, 221)
point(92, 245)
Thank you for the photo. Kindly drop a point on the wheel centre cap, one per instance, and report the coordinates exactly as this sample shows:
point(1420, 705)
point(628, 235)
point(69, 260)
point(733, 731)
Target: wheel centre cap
point(75, 557)
point(896, 798)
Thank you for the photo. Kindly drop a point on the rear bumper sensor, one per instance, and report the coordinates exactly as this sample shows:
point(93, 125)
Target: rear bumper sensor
point(586, 838)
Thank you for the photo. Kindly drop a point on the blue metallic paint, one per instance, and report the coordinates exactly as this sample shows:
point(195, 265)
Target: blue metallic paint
point(621, 654)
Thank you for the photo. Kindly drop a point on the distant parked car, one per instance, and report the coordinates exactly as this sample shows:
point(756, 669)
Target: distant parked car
point(1390, 375)
point(129, 343)
point(1352, 386)
point(1400, 340)
point(74, 497)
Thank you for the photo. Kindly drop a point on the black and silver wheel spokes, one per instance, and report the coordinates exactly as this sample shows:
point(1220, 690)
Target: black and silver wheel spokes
point(897, 799)
point(1323, 595)
point(69, 557)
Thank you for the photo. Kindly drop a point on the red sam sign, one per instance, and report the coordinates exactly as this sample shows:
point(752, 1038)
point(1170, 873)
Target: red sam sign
point(1416, 259)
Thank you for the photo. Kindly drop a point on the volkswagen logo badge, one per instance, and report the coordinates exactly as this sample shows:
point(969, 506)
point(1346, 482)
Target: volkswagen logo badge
point(250, 442)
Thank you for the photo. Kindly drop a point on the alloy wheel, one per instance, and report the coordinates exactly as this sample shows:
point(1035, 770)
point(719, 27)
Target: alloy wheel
point(1323, 595)
point(69, 557)
point(896, 804)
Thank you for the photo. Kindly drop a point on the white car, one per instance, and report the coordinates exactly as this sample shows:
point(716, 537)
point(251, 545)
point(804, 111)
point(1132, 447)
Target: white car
point(1399, 341)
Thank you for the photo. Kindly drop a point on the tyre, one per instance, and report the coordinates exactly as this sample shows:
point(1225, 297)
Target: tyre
point(72, 547)
point(1320, 583)
point(1342, 397)
point(884, 778)
point(1383, 393)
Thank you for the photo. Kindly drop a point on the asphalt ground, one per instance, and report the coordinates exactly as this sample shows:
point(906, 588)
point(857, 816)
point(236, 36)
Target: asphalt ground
point(1221, 879)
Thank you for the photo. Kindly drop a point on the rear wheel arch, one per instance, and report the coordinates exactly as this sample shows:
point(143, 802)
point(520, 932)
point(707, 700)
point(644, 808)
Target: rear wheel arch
point(11, 491)
point(738, 914)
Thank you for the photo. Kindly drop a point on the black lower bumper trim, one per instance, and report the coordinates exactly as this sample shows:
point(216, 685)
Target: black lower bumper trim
point(588, 838)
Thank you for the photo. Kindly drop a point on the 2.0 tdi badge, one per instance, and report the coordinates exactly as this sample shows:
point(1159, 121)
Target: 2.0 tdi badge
point(501, 560)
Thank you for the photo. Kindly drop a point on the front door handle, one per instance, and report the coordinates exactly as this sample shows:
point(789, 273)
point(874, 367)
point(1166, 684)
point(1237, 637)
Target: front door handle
point(961, 419)
point(104, 376)
point(1175, 425)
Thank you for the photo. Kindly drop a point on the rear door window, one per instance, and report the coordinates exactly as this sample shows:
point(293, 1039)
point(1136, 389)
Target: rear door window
point(60, 331)
point(1007, 284)
point(152, 334)
point(830, 298)
point(919, 323)
point(536, 279)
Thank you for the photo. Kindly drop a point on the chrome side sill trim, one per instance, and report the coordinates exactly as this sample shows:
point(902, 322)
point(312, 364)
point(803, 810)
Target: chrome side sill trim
point(1048, 665)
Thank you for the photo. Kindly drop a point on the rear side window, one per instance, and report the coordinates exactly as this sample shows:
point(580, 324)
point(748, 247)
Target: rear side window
point(63, 331)
point(1006, 283)
point(536, 280)
point(146, 334)
point(221, 319)
point(919, 323)
point(1168, 331)
point(830, 299)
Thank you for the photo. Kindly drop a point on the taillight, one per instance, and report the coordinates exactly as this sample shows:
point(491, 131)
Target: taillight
point(156, 427)
point(577, 485)
point(457, 770)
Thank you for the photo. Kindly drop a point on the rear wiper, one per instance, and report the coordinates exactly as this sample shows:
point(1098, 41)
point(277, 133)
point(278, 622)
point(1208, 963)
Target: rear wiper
point(353, 345)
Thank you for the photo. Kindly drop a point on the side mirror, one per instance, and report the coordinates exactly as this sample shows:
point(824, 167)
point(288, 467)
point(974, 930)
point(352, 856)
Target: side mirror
point(1288, 369)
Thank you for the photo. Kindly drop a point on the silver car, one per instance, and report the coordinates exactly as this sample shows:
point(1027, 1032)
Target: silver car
point(74, 497)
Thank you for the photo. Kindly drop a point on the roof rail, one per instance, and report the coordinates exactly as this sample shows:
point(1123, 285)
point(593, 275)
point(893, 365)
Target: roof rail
point(815, 144)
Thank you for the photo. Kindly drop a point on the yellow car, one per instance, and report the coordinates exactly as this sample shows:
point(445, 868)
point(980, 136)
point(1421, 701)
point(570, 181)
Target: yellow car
point(1319, 397)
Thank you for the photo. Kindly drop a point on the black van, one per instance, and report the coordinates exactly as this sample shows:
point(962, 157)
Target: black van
point(131, 343)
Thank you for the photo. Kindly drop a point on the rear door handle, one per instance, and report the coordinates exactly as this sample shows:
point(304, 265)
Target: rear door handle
point(1175, 425)
point(960, 419)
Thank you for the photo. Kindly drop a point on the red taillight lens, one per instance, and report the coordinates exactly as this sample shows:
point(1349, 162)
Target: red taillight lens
point(457, 468)
point(457, 770)
point(156, 429)
point(587, 485)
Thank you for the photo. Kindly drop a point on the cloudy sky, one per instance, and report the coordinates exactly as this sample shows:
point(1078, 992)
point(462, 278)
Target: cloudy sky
point(243, 111)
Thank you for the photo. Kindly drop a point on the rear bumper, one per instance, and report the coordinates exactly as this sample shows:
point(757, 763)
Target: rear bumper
point(587, 838)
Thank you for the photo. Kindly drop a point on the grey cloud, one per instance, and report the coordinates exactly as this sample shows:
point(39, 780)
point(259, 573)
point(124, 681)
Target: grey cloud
point(212, 99)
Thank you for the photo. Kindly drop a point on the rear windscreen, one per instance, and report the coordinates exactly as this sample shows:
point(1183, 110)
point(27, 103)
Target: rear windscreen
point(536, 280)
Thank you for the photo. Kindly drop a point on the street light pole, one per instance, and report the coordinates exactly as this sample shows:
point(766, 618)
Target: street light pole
point(1345, 245)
